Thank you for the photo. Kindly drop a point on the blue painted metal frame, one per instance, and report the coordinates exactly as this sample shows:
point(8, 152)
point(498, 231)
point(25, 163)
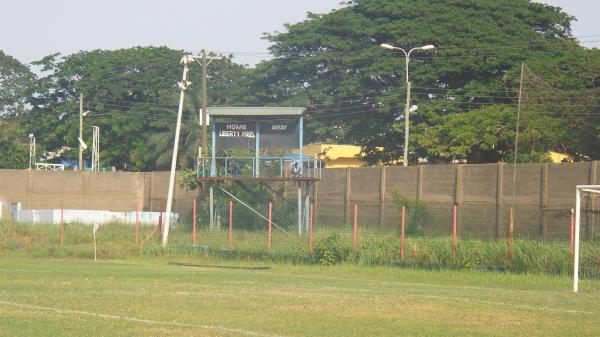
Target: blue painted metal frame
point(314, 167)
point(311, 167)
point(257, 150)
point(213, 166)
point(301, 140)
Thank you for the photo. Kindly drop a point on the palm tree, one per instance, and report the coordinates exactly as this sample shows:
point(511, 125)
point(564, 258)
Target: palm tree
point(161, 143)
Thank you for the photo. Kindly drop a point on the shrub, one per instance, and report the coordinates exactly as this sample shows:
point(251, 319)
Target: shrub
point(418, 215)
point(330, 250)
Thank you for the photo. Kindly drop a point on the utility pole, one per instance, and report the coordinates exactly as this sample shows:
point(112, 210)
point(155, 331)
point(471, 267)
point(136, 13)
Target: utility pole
point(206, 60)
point(80, 131)
point(183, 86)
point(204, 103)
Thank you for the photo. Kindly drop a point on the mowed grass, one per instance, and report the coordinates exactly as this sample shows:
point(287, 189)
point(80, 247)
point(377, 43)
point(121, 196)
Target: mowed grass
point(134, 297)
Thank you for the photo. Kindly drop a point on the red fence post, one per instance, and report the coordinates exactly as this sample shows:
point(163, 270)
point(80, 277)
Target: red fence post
point(62, 223)
point(355, 224)
point(230, 223)
point(454, 231)
point(310, 230)
point(572, 241)
point(510, 235)
point(194, 222)
point(402, 233)
point(137, 221)
point(270, 242)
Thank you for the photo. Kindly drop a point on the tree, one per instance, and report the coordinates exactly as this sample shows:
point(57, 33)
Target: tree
point(15, 78)
point(357, 91)
point(132, 96)
point(13, 146)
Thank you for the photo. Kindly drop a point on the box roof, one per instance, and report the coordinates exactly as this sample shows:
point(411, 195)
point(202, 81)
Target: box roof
point(256, 111)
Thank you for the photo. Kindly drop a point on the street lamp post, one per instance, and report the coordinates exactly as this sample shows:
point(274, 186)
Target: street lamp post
point(407, 109)
point(80, 166)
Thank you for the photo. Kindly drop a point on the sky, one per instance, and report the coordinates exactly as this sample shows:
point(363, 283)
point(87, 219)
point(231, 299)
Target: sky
point(35, 28)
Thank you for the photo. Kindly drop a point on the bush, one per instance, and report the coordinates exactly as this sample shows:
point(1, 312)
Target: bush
point(418, 215)
point(330, 250)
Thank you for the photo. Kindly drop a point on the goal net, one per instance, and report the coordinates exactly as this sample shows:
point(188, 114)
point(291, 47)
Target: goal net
point(587, 204)
point(558, 122)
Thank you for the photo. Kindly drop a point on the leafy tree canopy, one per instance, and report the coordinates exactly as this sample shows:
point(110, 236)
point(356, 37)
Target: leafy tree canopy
point(358, 92)
point(466, 88)
point(15, 78)
point(13, 146)
point(131, 95)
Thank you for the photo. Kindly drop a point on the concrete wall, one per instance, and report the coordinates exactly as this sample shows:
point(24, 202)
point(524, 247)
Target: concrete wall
point(543, 196)
point(114, 191)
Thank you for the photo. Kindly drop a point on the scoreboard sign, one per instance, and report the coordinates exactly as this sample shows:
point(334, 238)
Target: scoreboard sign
point(279, 135)
point(242, 135)
point(236, 135)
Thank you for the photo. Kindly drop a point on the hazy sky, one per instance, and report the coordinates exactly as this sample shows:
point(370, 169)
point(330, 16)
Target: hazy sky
point(35, 28)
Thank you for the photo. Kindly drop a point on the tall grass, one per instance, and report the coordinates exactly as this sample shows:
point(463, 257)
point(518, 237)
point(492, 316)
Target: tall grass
point(117, 241)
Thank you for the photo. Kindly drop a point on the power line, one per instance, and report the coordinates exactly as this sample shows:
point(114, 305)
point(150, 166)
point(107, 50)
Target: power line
point(448, 47)
point(168, 114)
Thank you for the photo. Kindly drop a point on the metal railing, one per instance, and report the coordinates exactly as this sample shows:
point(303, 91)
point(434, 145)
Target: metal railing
point(49, 167)
point(280, 167)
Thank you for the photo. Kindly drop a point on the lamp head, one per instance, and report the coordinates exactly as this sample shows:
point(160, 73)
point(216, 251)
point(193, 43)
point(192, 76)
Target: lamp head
point(82, 143)
point(387, 46)
point(427, 47)
point(413, 108)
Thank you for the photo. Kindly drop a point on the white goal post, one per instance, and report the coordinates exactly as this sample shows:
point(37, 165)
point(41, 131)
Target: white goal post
point(580, 190)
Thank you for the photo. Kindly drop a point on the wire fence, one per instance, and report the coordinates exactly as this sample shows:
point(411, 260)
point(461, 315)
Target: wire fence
point(557, 122)
point(63, 232)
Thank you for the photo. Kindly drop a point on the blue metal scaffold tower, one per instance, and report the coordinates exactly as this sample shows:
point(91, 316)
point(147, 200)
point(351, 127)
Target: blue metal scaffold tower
point(259, 146)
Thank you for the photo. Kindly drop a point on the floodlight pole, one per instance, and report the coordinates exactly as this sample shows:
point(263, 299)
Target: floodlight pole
point(183, 85)
point(407, 107)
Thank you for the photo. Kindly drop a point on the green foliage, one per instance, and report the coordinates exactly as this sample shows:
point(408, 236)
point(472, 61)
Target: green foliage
point(132, 96)
point(334, 61)
point(15, 79)
point(329, 250)
point(13, 146)
point(466, 88)
point(116, 241)
point(418, 215)
point(188, 181)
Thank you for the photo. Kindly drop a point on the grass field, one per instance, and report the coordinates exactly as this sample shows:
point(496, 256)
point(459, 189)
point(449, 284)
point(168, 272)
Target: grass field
point(134, 297)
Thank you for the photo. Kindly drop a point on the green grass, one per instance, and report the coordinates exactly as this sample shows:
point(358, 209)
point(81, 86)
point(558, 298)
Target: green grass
point(374, 248)
point(150, 297)
point(48, 289)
